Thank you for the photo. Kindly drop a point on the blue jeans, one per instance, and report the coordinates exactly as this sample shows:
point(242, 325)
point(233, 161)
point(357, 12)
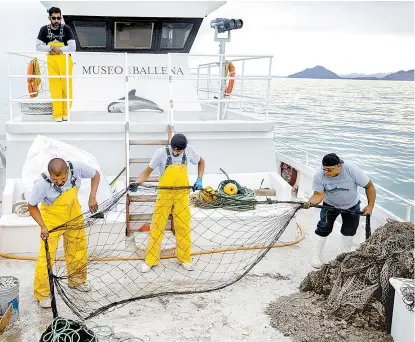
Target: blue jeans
point(328, 217)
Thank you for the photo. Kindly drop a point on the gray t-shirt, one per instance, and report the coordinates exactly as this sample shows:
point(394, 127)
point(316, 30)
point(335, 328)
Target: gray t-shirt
point(341, 191)
point(160, 158)
point(44, 191)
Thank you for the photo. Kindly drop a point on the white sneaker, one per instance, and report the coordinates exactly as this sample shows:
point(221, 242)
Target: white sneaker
point(316, 262)
point(65, 118)
point(58, 120)
point(145, 268)
point(85, 287)
point(187, 266)
point(45, 303)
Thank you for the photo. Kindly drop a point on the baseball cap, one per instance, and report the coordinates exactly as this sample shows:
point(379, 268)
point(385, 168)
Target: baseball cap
point(178, 142)
point(331, 159)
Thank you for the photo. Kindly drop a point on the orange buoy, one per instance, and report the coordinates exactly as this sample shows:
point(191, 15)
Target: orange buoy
point(33, 84)
point(231, 73)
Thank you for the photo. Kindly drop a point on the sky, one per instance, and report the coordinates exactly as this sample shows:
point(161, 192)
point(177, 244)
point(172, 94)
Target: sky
point(343, 36)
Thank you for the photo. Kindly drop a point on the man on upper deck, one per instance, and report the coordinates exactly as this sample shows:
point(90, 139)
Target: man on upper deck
point(56, 38)
point(337, 184)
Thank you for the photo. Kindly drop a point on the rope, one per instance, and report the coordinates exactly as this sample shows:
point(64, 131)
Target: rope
point(64, 330)
point(21, 209)
point(216, 251)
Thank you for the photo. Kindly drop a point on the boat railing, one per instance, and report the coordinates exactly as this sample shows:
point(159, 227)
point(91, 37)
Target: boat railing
point(211, 80)
point(30, 55)
point(215, 73)
point(313, 160)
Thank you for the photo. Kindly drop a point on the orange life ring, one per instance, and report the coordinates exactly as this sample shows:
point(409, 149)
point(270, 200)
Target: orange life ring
point(33, 84)
point(231, 73)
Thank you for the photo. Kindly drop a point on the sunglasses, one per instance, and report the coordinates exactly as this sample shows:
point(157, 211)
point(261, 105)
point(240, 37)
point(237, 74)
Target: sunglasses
point(56, 18)
point(329, 169)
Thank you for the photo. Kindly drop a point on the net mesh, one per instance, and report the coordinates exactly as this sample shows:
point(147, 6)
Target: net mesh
point(357, 283)
point(225, 244)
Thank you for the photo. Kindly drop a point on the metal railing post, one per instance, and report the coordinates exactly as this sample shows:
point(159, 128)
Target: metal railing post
point(67, 85)
point(127, 125)
point(209, 80)
point(408, 212)
point(242, 85)
point(170, 115)
point(10, 87)
point(269, 88)
point(197, 83)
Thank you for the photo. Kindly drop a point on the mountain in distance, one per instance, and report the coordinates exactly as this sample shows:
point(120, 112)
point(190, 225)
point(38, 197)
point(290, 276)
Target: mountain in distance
point(400, 76)
point(319, 72)
point(359, 75)
point(316, 72)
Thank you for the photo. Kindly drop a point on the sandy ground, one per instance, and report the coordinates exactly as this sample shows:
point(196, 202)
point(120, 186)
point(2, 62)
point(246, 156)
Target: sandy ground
point(236, 313)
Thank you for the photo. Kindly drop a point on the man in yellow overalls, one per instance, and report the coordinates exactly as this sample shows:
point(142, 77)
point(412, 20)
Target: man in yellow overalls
point(172, 163)
point(56, 38)
point(57, 193)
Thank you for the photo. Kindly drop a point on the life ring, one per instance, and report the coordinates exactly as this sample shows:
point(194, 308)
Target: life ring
point(230, 71)
point(33, 84)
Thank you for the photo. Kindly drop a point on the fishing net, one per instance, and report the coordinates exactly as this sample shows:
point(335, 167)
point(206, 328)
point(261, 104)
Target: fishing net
point(227, 241)
point(357, 283)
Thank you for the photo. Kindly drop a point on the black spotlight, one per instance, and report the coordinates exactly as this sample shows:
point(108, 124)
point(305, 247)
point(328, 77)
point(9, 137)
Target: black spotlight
point(224, 25)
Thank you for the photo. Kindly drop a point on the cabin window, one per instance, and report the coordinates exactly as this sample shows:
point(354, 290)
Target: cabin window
point(91, 34)
point(174, 35)
point(133, 35)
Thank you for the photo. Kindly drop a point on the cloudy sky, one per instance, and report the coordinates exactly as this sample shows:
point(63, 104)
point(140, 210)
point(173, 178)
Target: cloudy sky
point(345, 37)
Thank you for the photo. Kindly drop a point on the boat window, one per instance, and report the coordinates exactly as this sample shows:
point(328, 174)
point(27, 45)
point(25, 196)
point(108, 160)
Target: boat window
point(91, 34)
point(133, 35)
point(174, 35)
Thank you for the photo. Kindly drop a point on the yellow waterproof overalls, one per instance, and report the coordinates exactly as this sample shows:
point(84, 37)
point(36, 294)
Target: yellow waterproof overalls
point(65, 208)
point(175, 202)
point(57, 86)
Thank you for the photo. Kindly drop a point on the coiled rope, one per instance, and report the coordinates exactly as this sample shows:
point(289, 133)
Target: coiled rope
point(243, 200)
point(65, 330)
point(21, 209)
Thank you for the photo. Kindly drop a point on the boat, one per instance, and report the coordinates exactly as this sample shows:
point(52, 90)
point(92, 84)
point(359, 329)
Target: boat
point(134, 79)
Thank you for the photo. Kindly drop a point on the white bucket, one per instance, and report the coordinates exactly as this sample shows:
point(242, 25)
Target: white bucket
point(9, 294)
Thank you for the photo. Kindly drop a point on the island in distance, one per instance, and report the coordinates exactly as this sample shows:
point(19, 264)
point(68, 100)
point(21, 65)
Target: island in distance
point(319, 72)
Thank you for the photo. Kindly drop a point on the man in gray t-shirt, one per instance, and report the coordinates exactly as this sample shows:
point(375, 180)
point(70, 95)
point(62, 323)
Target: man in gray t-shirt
point(337, 184)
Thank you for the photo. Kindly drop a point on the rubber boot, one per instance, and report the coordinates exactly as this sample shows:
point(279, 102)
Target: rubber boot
point(316, 262)
point(346, 244)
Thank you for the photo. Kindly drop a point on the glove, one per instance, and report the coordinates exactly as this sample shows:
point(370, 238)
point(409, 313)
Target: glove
point(133, 187)
point(198, 184)
point(307, 205)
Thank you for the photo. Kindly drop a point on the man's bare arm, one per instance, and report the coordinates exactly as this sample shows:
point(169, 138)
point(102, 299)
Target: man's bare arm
point(35, 213)
point(371, 197)
point(314, 200)
point(144, 175)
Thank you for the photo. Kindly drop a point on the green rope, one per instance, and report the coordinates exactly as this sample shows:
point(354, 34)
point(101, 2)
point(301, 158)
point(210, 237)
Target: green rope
point(244, 200)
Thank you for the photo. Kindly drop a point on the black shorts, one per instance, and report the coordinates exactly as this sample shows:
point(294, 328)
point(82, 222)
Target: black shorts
point(328, 217)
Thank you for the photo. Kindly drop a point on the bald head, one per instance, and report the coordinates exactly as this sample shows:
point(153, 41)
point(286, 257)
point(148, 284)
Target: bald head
point(57, 167)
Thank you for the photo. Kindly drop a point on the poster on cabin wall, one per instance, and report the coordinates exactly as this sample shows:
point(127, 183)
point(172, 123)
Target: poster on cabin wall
point(100, 81)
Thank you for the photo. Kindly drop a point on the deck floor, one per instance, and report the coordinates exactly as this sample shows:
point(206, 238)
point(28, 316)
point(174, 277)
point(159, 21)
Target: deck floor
point(235, 313)
point(207, 114)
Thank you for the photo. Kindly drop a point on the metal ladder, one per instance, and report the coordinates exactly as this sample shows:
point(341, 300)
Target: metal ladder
point(141, 218)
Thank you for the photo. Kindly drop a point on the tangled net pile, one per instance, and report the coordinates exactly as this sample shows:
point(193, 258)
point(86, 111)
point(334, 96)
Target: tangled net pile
point(225, 246)
point(357, 284)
